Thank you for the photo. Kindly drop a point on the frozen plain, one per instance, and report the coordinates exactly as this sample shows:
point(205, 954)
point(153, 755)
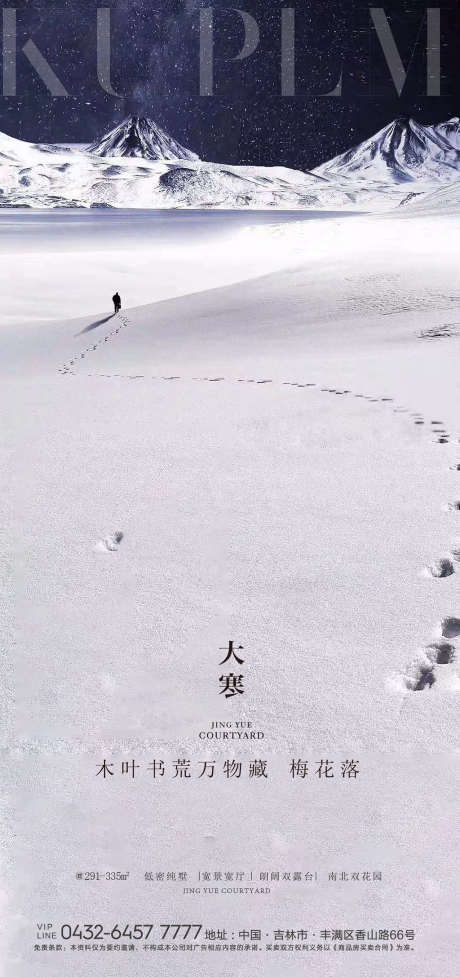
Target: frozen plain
point(280, 452)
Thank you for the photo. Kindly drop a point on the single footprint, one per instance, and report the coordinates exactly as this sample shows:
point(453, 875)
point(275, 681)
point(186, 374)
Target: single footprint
point(441, 568)
point(455, 551)
point(450, 627)
point(441, 653)
point(109, 544)
point(423, 678)
point(454, 506)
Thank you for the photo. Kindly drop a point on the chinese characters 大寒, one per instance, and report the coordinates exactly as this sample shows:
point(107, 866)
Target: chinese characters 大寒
point(231, 684)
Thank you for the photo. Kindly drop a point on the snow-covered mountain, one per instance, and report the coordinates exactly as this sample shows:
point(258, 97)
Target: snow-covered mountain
point(138, 165)
point(140, 138)
point(449, 130)
point(17, 151)
point(82, 180)
point(401, 153)
point(443, 200)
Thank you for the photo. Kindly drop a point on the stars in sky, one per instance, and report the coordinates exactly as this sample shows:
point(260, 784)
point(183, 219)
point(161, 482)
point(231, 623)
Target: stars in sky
point(155, 65)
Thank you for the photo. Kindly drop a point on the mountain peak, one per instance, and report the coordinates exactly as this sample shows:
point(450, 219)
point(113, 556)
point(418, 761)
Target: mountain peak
point(403, 151)
point(141, 137)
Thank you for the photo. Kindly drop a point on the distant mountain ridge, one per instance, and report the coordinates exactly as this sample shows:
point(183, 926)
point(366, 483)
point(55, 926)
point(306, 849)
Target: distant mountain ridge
point(402, 152)
point(139, 137)
point(139, 165)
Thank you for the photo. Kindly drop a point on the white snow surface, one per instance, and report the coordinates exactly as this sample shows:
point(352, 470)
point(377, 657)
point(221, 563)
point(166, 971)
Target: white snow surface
point(146, 255)
point(274, 459)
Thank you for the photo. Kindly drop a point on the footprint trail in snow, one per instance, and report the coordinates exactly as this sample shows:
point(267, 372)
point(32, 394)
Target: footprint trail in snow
point(422, 673)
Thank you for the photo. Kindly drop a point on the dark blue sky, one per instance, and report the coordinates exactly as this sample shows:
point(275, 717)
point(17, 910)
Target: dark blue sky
point(155, 67)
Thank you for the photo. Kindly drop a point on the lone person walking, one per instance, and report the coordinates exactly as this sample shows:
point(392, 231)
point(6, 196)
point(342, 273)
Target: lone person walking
point(116, 302)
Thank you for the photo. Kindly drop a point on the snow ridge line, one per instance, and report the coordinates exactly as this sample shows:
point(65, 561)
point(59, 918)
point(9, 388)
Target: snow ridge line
point(422, 672)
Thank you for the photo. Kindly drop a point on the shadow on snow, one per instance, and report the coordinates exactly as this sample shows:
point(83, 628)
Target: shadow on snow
point(94, 325)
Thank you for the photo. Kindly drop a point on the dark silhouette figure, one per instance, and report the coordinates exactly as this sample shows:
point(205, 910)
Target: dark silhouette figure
point(116, 302)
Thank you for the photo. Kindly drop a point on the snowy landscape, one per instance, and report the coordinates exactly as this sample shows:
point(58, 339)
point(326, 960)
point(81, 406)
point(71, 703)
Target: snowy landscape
point(138, 165)
point(263, 445)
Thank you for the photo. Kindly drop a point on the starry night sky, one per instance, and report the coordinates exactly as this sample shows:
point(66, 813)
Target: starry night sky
point(155, 68)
